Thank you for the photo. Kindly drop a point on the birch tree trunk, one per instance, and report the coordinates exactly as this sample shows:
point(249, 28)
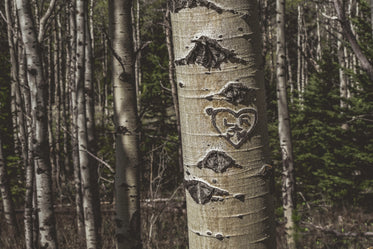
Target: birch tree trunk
point(8, 205)
point(38, 88)
point(366, 65)
point(371, 14)
point(14, 70)
point(171, 77)
point(84, 162)
point(74, 116)
point(223, 124)
point(90, 121)
point(127, 201)
point(299, 55)
point(288, 179)
point(342, 66)
point(29, 166)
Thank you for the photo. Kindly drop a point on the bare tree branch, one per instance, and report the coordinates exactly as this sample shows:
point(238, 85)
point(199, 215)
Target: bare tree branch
point(44, 20)
point(346, 27)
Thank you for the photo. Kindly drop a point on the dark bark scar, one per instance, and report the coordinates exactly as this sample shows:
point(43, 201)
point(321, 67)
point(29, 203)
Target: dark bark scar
point(203, 193)
point(210, 54)
point(218, 161)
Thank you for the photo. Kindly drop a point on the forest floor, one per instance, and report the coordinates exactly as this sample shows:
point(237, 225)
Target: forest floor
point(165, 226)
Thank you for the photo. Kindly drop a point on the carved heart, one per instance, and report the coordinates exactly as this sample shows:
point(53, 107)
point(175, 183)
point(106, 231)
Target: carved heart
point(235, 127)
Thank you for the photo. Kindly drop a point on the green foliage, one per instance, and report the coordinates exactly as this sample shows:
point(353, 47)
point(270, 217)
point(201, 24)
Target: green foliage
point(159, 142)
point(333, 146)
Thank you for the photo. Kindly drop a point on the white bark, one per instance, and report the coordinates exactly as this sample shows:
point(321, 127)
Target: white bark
point(127, 201)
point(84, 162)
point(8, 205)
point(223, 123)
point(299, 55)
point(288, 179)
point(29, 166)
point(371, 14)
point(342, 66)
point(38, 87)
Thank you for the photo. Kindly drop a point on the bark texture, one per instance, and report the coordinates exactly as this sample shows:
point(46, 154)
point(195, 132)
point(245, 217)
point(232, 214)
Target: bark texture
point(218, 56)
point(288, 180)
point(8, 205)
point(127, 202)
point(38, 90)
point(90, 223)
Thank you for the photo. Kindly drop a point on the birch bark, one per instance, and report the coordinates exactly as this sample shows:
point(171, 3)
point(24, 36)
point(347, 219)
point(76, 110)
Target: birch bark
point(371, 14)
point(8, 205)
point(29, 166)
point(127, 201)
point(38, 88)
point(218, 57)
point(74, 116)
point(288, 179)
point(90, 223)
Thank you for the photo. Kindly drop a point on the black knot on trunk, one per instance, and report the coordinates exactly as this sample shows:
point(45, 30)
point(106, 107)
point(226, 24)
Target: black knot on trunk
point(210, 54)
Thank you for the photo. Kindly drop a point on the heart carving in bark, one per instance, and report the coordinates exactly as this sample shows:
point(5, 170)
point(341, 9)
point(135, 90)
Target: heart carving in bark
point(235, 127)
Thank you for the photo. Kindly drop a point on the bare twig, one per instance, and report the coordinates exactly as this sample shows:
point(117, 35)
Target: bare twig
point(44, 20)
point(337, 233)
point(98, 159)
point(119, 59)
point(143, 47)
point(163, 87)
point(329, 17)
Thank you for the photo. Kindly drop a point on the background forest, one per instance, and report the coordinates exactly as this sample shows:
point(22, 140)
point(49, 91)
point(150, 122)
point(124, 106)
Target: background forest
point(330, 98)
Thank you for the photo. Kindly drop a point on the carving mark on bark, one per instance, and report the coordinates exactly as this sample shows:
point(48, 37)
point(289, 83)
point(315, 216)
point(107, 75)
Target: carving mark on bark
point(122, 130)
point(218, 161)
point(208, 53)
point(203, 193)
point(236, 93)
point(235, 127)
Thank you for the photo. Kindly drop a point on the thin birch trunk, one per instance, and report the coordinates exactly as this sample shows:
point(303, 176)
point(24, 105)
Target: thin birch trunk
point(57, 101)
point(219, 71)
point(288, 179)
point(318, 30)
point(84, 163)
point(304, 73)
point(342, 67)
point(366, 65)
point(91, 23)
point(90, 121)
point(13, 73)
point(290, 74)
point(8, 205)
point(74, 114)
point(29, 166)
point(127, 196)
point(137, 49)
point(66, 93)
point(51, 137)
point(171, 77)
point(38, 88)
point(371, 15)
point(299, 55)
